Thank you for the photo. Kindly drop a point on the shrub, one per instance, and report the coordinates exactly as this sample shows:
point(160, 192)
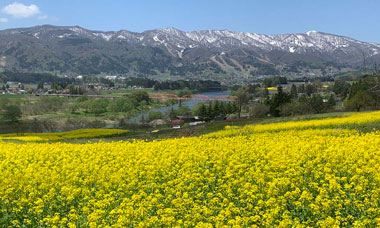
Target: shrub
point(98, 107)
point(295, 108)
point(153, 115)
point(12, 113)
point(258, 110)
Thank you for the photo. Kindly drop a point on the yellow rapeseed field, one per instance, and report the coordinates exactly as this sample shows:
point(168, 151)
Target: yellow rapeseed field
point(297, 176)
point(56, 136)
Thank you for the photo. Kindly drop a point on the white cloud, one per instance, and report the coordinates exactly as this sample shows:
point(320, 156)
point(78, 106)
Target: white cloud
point(19, 10)
point(3, 20)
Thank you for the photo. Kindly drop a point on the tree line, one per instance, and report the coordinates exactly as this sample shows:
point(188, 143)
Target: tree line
point(33, 78)
point(131, 104)
point(199, 86)
point(309, 98)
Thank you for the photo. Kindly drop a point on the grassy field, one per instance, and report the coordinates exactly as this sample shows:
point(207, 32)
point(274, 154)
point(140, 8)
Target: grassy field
point(13, 96)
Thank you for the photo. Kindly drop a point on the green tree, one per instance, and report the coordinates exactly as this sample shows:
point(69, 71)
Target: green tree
point(216, 108)
point(184, 110)
point(295, 108)
point(40, 85)
point(153, 115)
point(274, 81)
point(331, 101)
point(310, 89)
point(74, 89)
point(258, 110)
point(210, 111)
point(265, 93)
point(293, 91)
point(181, 93)
point(140, 96)
point(277, 100)
point(252, 89)
point(142, 119)
point(370, 85)
point(111, 84)
point(172, 114)
point(242, 98)
point(200, 110)
point(360, 100)
point(223, 108)
point(122, 105)
point(71, 88)
point(12, 113)
point(316, 103)
point(98, 107)
point(341, 88)
point(74, 107)
point(4, 102)
point(301, 88)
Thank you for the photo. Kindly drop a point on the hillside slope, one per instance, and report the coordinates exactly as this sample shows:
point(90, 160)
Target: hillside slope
point(75, 50)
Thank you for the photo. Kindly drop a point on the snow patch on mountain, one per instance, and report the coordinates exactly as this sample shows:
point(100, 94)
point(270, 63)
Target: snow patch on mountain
point(176, 40)
point(155, 38)
point(105, 36)
point(36, 35)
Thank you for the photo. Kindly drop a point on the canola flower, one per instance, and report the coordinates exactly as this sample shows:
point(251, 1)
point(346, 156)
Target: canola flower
point(336, 122)
point(24, 138)
point(55, 136)
point(288, 178)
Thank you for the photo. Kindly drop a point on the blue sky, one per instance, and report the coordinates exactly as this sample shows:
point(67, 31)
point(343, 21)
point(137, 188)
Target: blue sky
point(354, 18)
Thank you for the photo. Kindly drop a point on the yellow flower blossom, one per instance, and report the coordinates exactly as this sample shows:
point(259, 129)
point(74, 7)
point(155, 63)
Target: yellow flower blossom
point(293, 174)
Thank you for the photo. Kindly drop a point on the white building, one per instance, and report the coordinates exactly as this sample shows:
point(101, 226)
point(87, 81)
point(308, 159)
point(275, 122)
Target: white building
point(108, 77)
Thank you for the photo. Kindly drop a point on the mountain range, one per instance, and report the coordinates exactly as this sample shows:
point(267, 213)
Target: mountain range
point(171, 52)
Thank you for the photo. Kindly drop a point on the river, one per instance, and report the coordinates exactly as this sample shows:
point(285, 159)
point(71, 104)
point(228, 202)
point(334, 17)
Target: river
point(191, 103)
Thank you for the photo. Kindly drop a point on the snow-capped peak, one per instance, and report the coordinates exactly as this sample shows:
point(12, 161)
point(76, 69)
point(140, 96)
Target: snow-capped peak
point(176, 40)
point(311, 32)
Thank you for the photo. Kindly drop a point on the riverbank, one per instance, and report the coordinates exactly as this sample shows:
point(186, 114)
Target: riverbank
point(57, 114)
point(189, 103)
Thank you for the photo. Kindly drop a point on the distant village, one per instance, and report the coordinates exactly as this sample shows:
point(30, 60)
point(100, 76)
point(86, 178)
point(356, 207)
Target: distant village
point(13, 87)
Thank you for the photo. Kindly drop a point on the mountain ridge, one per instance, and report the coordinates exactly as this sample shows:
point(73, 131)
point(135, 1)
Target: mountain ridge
point(170, 51)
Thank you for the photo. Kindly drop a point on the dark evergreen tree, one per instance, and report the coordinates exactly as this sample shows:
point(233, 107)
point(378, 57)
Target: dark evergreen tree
point(341, 88)
point(172, 114)
point(301, 88)
point(12, 113)
point(277, 100)
point(310, 89)
point(40, 85)
point(331, 101)
point(266, 93)
point(316, 103)
point(203, 112)
point(293, 91)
